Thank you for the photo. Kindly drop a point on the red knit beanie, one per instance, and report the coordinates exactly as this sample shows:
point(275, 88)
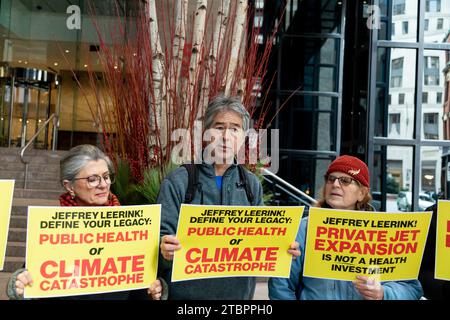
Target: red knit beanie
point(354, 167)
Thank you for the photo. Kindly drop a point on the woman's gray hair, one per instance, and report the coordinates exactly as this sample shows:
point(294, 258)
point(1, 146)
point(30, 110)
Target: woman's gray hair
point(223, 104)
point(77, 158)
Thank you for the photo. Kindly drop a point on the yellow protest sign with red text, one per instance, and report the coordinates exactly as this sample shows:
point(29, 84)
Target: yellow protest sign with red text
point(343, 244)
point(87, 250)
point(6, 197)
point(442, 269)
point(228, 241)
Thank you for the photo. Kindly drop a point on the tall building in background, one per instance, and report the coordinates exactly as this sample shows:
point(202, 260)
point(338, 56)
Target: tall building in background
point(402, 92)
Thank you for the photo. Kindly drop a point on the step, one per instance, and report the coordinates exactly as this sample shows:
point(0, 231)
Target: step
point(32, 175)
point(17, 234)
point(18, 221)
point(42, 185)
point(13, 263)
point(19, 166)
point(19, 211)
point(16, 249)
point(32, 152)
point(37, 194)
point(21, 204)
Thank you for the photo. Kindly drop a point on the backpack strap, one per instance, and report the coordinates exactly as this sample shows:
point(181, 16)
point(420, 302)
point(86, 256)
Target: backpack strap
point(244, 183)
point(192, 182)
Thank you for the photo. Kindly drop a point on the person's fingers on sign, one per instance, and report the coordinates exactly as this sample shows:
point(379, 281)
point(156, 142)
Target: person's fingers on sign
point(169, 245)
point(23, 279)
point(155, 290)
point(294, 249)
point(369, 288)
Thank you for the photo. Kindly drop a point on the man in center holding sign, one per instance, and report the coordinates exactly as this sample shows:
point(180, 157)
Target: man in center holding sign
point(219, 181)
point(347, 188)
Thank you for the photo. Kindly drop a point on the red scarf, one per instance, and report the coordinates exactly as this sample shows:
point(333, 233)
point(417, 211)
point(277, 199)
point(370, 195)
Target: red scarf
point(66, 200)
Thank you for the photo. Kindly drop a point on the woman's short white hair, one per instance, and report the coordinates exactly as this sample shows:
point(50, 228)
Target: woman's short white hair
point(77, 158)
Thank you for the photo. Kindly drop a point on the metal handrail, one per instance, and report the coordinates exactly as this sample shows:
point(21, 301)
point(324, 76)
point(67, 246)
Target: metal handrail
point(290, 186)
point(22, 151)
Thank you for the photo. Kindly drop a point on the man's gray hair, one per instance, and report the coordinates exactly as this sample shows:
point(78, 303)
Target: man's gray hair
point(77, 158)
point(222, 103)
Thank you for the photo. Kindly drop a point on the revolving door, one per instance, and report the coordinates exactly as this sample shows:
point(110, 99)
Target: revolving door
point(28, 97)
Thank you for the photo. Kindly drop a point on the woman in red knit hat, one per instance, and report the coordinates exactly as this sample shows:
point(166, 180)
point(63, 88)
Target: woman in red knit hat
point(347, 186)
point(86, 174)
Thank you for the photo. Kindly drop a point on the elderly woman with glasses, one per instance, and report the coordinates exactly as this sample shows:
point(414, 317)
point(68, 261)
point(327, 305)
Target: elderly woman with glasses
point(86, 174)
point(346, 188)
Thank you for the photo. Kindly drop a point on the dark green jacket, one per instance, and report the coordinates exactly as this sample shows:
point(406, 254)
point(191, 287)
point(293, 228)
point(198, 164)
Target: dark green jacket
point(171, 195)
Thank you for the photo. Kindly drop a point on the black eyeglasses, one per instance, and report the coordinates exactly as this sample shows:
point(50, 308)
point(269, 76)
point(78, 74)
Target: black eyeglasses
point(95, 180)
point(343, 181)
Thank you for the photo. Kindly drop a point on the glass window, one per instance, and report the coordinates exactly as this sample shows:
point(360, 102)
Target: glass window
point(438, 97)
point(394, 125)
point(430, 126)
point(433, 6)
point(313, 118)
point(394, 165)
point(424, 97)
point(398, 81)
point(316, 67)
point(312, 16)
point(432, 177)
point(306, 171)
point(398, 7)
point(431, 71)
point(405, 27)
point(398, 177)
point(397, 72)
point(440, 24)
point(427, 22)
point(404, 15)
point(259, 4)
point(393, 29)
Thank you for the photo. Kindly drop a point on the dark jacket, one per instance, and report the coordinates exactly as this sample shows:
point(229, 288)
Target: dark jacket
point(171, 195)
point(433, 289)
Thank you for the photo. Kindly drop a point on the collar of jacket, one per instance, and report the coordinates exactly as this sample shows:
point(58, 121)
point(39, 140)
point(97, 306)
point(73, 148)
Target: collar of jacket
point(208, 169)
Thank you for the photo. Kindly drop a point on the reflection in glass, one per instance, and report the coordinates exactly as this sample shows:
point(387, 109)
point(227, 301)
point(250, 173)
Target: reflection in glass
point(315, 67)
point(398, 178)
point(313, 118)
point(396, 108)
point(432, 176)
point(313, 16)
point(306, 172)
point(403, 21)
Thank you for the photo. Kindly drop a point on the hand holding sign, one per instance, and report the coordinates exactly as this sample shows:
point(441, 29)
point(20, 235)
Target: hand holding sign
point(23, 280)
point(294, 250)
point(169, 244)
point(369, 288)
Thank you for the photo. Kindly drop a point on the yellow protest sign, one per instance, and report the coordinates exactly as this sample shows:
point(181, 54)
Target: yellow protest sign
point(442, 269)
point(227, 241)
point(343, 244)
point(87, 250)
point(6, 197)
